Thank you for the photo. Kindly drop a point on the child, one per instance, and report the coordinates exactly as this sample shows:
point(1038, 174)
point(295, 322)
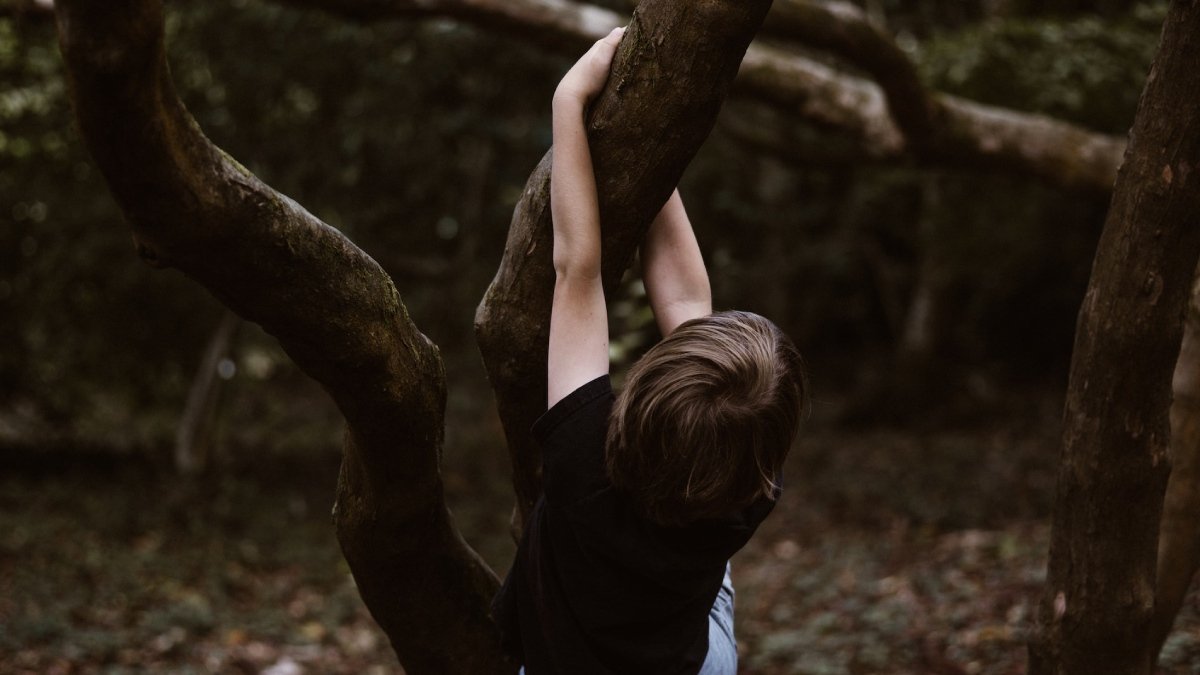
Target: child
point(623, 565)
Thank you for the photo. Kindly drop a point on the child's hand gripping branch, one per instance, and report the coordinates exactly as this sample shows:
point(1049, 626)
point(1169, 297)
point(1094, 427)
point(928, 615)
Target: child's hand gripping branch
point(578, 349)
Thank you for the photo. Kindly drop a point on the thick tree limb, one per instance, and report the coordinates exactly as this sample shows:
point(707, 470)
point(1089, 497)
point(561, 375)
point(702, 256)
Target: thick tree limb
point(330, 305)
point(843, 29)
point(670, 75)
point(937, 127)
point(901, 118)
point(1096, 612)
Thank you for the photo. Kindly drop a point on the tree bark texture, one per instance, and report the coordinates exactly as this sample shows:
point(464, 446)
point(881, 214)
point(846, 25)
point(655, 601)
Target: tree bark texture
point(892, 116)
point(1179, 535)
point(1095, 614)
point(332, 308)
point(669, 77)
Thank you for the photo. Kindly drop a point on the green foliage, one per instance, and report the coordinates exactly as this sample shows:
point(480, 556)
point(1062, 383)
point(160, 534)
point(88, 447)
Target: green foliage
point(1084, 69)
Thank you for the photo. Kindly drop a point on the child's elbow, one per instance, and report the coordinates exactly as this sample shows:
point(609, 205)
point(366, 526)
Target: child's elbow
point(570, 271)
point(576, 265)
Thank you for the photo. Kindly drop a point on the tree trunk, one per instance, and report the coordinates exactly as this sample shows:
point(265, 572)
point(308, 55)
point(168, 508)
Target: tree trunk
point(1095, 613)
point(339, 316)
point(669, 77)
point(332, 308)
point(193, 437)
point(919, 339)
point(1179, 536)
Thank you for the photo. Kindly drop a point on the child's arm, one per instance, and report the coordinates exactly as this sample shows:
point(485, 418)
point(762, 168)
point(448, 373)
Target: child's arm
point(673, 270)
point(578, 351)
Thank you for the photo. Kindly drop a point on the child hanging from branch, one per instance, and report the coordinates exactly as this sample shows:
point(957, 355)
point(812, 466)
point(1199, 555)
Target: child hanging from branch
point(623, 564)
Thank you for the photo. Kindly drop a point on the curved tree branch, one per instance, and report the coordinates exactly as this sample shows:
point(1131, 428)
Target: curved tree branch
point(843, 29)
point(900, 117)
point(670, 75)
point(895, 114)
point(332, 308)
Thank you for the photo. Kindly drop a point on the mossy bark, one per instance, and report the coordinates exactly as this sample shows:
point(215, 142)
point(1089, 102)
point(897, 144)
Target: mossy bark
point(889, 116)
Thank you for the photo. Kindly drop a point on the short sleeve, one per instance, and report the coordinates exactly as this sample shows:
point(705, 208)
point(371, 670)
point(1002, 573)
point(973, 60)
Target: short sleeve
point(569, 405)
point(572, 434)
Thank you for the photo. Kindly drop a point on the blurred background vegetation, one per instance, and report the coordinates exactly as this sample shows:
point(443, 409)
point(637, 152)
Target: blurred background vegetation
point(415, 138)
point(381, 130)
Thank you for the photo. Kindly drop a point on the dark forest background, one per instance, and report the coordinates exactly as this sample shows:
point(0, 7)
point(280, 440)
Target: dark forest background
point(935, 305)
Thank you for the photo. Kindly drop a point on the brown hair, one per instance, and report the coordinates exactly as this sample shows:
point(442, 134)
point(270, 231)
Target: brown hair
point(706, 418)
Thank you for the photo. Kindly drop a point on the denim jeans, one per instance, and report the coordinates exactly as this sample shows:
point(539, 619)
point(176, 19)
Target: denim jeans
point(722, 647)
point(722, 656)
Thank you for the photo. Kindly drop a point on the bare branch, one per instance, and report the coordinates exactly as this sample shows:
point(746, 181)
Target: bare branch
point(901, 117)
point(843, 29)
point(1179, 535)
point(896, 114)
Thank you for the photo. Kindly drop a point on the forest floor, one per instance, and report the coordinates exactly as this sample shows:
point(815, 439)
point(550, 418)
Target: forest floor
point(890, 553)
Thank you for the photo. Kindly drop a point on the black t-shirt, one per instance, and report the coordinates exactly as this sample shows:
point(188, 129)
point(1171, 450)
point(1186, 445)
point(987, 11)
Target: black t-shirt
point(595, 587)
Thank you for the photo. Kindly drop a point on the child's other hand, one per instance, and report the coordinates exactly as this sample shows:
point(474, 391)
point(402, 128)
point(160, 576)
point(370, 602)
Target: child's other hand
point(586, 78)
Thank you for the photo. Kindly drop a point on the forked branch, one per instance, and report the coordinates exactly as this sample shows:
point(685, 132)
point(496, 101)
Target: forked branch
point(332, 308)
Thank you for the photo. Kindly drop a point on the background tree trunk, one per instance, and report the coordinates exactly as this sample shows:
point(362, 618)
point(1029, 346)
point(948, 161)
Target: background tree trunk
point(193, 439)
point(1099, 599)
point(670, 75)
point(1179, 536)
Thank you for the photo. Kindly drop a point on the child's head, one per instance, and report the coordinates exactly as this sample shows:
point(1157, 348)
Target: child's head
point(706, 418)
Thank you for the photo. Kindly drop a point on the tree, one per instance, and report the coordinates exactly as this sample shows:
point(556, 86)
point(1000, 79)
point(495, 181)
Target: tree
point(338, 315)
point(891, 116)
point(1096, 613)
point(1179, 536)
